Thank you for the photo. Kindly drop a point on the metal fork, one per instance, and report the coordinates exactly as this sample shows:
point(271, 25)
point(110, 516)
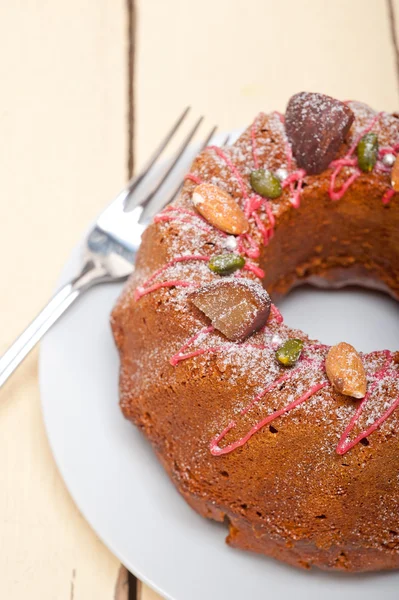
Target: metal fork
point(110, 247)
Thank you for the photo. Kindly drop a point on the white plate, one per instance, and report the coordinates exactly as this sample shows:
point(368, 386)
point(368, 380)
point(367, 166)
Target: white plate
point(118, 485)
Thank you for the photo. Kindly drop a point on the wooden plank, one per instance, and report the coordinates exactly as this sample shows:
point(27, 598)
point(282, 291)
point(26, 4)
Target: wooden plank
point(229, 60)
point(63, 155)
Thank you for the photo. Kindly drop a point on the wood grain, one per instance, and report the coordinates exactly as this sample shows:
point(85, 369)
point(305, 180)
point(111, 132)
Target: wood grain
point(65, 152)
point(394, 35)
point(63, 155)
point(232, 59)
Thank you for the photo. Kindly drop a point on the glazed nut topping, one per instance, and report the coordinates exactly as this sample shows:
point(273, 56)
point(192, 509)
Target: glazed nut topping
point(219, 209)
point(226, 264)
point(345, 370)
point(395, 175)
point(316, 126)
point(367, 152)
point(236, 308)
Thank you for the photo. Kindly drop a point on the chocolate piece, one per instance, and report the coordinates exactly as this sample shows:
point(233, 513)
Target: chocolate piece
point(316, 126)
point(236, 307)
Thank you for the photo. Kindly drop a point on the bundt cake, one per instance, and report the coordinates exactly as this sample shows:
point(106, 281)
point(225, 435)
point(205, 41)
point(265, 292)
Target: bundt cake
point(293, 443)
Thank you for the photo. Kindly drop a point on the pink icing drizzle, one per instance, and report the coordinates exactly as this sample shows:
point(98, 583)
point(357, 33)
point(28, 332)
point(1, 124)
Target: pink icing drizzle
point(176, 358)
point(296, 177)
point(216, 450)
point(344, 445)
point(140, 291)
point(276, 314)
point(253, 202)
point(180, 356)
point(203, 225)
point(194, 178)
point(248, 246)
point(146, 289)
point(388, 196)
point(348, 161)
point(254, 269)
point(177, 259)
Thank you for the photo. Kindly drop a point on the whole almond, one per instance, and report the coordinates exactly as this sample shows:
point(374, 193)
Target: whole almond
point(345, 370)
point(395, 175)
point(219, 209)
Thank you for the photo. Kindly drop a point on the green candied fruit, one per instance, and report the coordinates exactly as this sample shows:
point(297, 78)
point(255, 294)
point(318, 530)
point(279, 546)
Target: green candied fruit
point(226, 264)
point(289, 352)
point(266, 184)
point(367, 152)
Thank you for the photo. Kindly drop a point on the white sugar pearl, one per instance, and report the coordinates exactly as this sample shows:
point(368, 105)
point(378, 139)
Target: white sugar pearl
point(282, 174)
point(230, 243)
point(276, 341)
point(388, 159)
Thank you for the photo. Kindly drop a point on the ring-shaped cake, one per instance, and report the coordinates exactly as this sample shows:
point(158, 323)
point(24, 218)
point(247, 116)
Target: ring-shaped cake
point(293, 443)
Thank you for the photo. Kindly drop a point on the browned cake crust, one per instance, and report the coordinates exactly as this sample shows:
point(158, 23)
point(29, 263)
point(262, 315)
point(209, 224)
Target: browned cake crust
point(286, 492)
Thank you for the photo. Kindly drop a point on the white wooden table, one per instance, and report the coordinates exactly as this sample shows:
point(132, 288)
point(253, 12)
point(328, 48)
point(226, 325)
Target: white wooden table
point(66, 147)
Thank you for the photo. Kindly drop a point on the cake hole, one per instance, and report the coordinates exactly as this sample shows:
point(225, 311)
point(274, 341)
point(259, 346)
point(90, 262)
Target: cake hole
point(244, 506)
point(259, 513)
point(333, 316)
point(364, 442)
point(392, 532)
point(224, 473)
point(272, 429)
point(321, 517)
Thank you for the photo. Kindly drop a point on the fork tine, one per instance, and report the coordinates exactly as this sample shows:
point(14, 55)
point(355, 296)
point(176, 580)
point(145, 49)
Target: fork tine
point(123, 197)
point(175, 160)
point(208, 139)
point(179, 187)
point(136, 180)
point(226, 141)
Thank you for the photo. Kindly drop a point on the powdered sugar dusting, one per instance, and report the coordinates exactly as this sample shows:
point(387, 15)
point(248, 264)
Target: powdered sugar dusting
point(304, 388)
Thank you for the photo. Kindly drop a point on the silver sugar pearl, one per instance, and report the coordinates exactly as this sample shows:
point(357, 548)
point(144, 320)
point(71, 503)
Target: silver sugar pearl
point(388, 159)
point(281, 174)
point(230, 243)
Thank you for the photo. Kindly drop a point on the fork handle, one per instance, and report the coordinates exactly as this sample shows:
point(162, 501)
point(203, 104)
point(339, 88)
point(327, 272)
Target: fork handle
point(46, 318)
point(36, 330)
